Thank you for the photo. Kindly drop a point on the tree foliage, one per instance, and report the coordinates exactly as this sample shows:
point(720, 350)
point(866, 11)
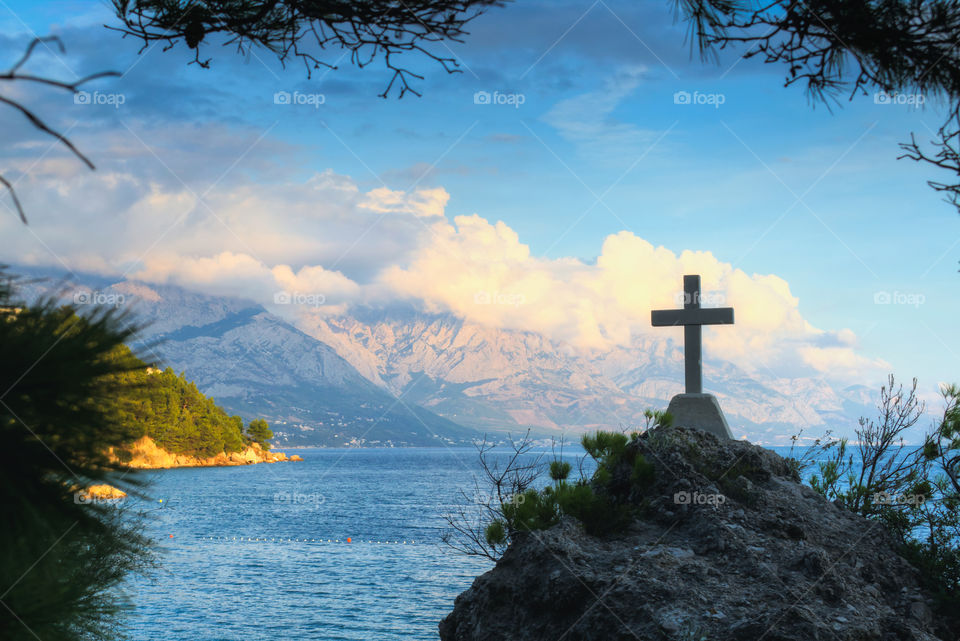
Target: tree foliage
point(369, 30)
point(259, 432)
point(299, 29)
point(15, 78)
point(913, 491)
point(61, 559)
point(854, 46)
point(175, 414)
point(475, 523)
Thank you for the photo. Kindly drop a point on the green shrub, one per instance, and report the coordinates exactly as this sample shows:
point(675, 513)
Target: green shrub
point(600, 504)
point(643, 472)
point(597, 513)
point(604, 503)
point(914, 492)
point(559, 470)
point(532, 510)
point(496, 533)
point(606, 448)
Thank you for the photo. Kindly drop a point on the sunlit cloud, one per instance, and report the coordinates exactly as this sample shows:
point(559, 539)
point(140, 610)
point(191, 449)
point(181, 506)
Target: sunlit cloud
point(324, 244)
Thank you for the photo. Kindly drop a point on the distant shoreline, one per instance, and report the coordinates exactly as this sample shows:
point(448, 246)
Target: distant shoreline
point(145, 454)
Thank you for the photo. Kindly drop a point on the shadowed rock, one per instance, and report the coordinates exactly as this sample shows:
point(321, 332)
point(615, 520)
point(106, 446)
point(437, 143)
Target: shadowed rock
point(728, 545)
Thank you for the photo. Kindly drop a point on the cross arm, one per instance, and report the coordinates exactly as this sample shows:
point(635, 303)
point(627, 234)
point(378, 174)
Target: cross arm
point(711, 316)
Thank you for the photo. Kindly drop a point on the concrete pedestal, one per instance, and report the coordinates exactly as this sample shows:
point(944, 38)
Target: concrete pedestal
point(701, 411)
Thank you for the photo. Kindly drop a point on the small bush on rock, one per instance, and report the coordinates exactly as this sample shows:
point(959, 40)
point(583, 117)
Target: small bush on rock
point(602, 503)
point(914, 492)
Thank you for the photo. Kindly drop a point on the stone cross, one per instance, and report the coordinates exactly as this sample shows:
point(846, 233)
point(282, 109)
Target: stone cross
point(693, 318)
point(694, 408)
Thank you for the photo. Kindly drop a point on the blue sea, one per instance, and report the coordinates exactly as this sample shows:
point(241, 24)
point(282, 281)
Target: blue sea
point(261, 551)
point(252, 552)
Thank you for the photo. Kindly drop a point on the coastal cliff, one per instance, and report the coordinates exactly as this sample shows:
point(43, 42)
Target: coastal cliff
point(144, 454)
point(728, 544)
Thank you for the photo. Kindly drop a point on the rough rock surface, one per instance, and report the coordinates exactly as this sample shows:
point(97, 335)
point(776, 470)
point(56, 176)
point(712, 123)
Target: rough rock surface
point(100, 491)
point(769, 560)
point(146, 455)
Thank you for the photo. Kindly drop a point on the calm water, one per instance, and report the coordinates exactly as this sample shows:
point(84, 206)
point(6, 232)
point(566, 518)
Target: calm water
point(395, 580)
point(213, 587)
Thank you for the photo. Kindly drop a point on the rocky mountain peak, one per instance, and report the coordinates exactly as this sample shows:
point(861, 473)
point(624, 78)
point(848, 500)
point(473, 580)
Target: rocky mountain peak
point(496, 379)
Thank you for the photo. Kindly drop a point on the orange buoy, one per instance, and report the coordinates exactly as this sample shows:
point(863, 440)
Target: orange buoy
point(349, 539)
point(171, 536)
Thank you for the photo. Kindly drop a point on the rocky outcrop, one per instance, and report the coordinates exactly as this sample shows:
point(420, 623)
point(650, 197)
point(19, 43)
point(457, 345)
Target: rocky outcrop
point(728, 545)
point(100, 492)
point(146, 455)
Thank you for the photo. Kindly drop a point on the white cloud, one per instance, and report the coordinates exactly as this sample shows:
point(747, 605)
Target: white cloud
point(589, 119)
point(139, 208)
point(241, 275)
point(330, 244)
point(481, 271)
point(426, 203)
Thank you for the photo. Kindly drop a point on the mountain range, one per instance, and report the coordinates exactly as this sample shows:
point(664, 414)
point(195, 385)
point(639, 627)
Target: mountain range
point(490, 379)
point(400, 376)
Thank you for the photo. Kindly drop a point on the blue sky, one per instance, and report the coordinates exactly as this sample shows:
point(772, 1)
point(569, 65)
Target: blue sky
point(766, 182)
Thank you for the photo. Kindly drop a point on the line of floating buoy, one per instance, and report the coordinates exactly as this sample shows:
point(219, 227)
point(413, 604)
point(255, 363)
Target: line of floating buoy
point(253, 539)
